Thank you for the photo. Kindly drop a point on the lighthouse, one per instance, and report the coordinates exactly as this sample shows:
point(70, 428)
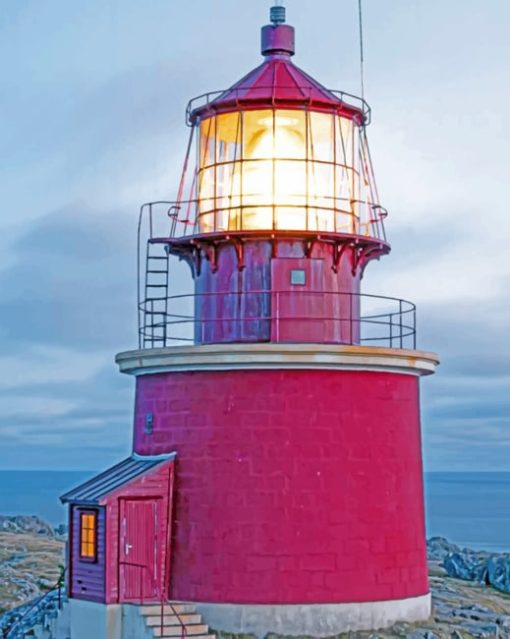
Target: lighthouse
point(275, 483)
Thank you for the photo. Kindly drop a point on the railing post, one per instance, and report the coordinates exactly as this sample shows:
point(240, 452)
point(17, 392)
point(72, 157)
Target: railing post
point(414, 328)
point(277, 316)
point(351, 339)
point(400, 323)
point(391, 330)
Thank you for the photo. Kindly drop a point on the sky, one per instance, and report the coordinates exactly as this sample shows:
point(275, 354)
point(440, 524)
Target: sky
point(92, 104)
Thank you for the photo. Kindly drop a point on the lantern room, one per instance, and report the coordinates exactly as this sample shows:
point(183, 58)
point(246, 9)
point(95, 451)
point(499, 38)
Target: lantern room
point(278, 151)
point(277, 215)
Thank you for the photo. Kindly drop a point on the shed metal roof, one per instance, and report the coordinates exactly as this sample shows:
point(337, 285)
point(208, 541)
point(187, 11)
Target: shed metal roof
point(106, 482)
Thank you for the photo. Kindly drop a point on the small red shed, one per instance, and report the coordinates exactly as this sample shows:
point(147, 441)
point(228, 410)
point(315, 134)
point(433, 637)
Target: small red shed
point(120, 531)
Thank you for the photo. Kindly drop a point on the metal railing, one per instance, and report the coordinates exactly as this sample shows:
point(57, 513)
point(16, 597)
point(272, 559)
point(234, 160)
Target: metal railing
point(9, 632)
point(294, 316)
point(162, 600)
point(239, 97)
point(328, 214)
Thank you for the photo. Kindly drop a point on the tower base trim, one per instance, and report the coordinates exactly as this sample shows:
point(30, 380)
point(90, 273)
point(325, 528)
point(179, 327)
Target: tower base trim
point(276, 356)
point(315, 620)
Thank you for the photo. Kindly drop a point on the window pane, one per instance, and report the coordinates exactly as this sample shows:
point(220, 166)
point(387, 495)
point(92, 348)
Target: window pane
point(206, 189)
point(321, 137)
point(290, 218)
point(290, 183)
point(207, 142)
point(228, 135)
point(258, 134)
point(344, 134)
point(88, 524)
point(290, 134)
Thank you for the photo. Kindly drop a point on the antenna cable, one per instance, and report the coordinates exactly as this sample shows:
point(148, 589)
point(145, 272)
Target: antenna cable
point(361, 49)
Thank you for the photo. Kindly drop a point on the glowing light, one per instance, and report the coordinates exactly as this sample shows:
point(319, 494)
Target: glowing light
point(270, 170)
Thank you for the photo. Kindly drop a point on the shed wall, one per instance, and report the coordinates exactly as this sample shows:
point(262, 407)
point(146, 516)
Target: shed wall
point(87, 578)
point(155, 484)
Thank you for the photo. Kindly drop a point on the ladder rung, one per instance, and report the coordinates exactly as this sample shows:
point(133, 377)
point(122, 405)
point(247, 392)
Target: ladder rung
point(156, 286)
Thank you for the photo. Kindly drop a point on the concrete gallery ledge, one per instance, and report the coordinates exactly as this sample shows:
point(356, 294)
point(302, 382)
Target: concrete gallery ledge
point(279, 356)
point(315, 620)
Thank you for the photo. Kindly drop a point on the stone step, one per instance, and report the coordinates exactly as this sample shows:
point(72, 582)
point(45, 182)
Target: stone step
point(176, 631)
point(155, 609)
point(173, 620)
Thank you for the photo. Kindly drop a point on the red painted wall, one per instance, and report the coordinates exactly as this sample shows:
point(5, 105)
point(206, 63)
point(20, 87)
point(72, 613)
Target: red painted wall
point(153, 485)
point(231, 305)
point(291, 486)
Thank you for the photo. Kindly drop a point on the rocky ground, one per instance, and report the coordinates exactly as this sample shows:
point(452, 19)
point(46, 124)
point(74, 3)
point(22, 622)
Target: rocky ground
point(31, 554)
point(30, 558)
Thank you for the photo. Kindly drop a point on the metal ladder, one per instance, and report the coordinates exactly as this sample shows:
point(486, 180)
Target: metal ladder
point(154, 333)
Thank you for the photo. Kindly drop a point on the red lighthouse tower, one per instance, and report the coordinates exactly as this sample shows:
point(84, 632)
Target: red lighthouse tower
point(276, 403)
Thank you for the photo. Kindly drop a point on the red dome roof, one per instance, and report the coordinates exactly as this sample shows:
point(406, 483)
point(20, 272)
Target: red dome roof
point(278, 83)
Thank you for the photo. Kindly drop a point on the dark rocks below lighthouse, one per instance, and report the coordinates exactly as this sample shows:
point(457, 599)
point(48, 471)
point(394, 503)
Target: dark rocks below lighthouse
point(462, 609)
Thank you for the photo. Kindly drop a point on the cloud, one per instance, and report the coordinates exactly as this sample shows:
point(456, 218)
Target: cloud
point(72, 284)
point(96, 127)
point(73, 424)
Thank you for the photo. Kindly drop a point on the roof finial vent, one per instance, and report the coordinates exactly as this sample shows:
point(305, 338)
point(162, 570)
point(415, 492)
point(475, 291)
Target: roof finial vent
point(277, 14)
point(278, 37)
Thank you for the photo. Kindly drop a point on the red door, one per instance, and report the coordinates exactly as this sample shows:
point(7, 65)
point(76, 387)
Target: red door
point(139, 550)
point(299, 306)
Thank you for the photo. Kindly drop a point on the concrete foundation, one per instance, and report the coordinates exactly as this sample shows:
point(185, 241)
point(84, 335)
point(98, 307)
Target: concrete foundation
point(89, 620)
point(320, 620)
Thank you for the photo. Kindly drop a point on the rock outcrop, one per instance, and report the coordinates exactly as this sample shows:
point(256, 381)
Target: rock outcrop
point(468, 589)
point(31, 525)
point(29, 561)
point(479, 566)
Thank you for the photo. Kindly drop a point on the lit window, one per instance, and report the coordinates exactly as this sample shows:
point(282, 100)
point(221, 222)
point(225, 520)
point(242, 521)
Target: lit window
point(88, 535)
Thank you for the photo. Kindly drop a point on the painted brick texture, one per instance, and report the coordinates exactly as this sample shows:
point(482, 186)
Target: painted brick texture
point(291, 486)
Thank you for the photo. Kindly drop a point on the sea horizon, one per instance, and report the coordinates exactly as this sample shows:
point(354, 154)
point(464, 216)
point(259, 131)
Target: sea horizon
point(469, 508)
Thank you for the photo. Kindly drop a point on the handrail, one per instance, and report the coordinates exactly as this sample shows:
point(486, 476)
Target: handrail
point(205, 99)
point(182, 218)
point(7, 632)
point(215, 317)
point(162, 599)
point(184, 630)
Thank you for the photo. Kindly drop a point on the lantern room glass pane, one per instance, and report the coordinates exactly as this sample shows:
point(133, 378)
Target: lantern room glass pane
point(289, 135)
point(345, 140)
point(321, 137)
point(207, 145)
point(258, 139)
point(228, 136)
point(321, 195)
point(290, 195)
point(278, 169)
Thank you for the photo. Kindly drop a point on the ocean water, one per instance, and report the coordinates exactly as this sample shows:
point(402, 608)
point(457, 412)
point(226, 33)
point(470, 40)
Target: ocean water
point(37, 492)
point(470, 509)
